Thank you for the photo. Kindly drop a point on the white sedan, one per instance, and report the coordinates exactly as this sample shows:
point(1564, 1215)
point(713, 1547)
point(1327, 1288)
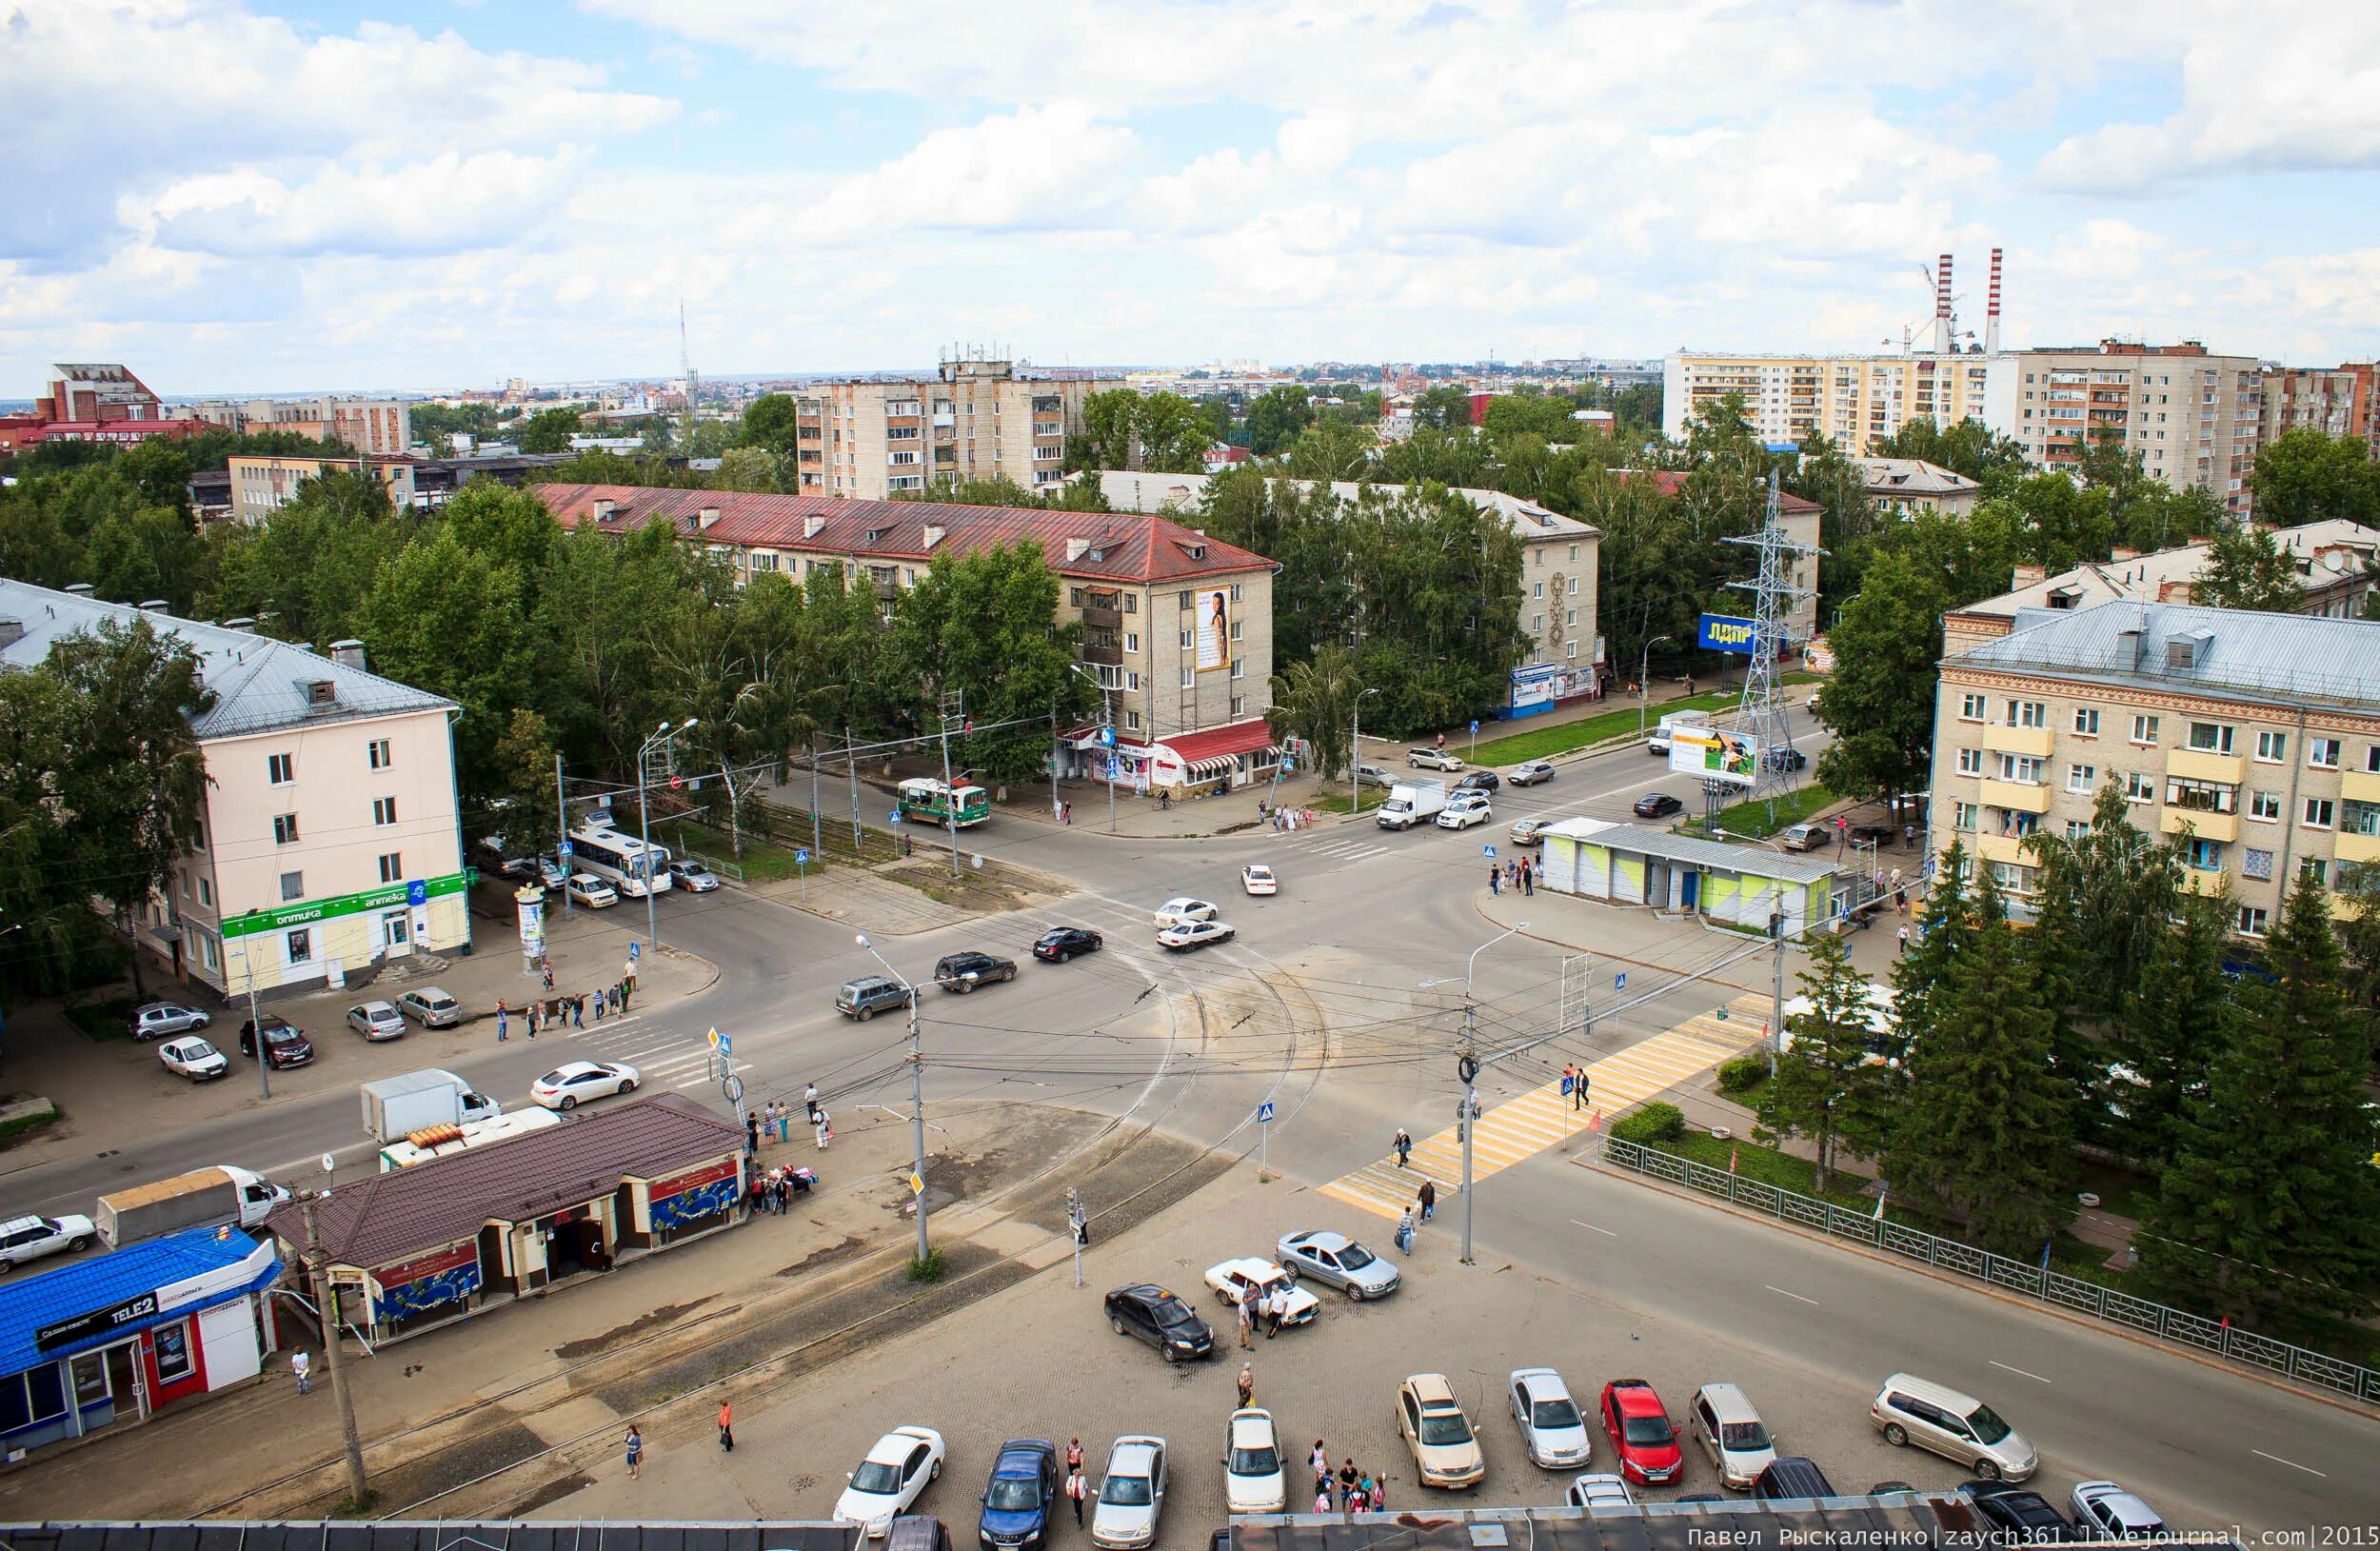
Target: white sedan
point(1253, 1480)
point(566, 1084)
point(192, 1058)
point(1549, 1418)
point(889, 1481)
point(592, 891)
point(1174, 911)
point(1232, 1280)
point(1182, 935)
point(1592, 1492)
point(1132, 1494)
point(1258, 879)
point(377, 1021)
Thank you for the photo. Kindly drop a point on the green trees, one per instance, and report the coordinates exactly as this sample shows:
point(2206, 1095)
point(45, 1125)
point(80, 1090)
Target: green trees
point(2246, 569)
point(1122, 429)
point(2303, 476)
point(1967, 448)
point(1276, 418)
point(1314, 698)
point(1330, 451)
point(771, 423)
point(982, 625)
point(1879, 701)
point(1829, 1087)
point(753, 469)
point(549, 430)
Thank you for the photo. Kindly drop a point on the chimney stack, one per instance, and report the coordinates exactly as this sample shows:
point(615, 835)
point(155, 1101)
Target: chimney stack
point(1992, 310)
point(1942, 342)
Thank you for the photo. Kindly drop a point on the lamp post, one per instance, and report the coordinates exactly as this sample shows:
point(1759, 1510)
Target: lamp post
point(1467, 1065)
point(1107, 719)
point(663, 736)
point(1355, 752)
point(327, 1304)
point(917, 1088)
point(1644, 686)
point(256, 1020)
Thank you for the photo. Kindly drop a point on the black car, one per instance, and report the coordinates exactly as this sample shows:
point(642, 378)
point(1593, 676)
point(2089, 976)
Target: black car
point(1059, 944)
point(1478, 780)
point(1785, 759)
point(284, 1044)
point(1657, 805)
point(1159, 1317)
point(1790, 1476)
point(2018, 1517)
point(964, 972)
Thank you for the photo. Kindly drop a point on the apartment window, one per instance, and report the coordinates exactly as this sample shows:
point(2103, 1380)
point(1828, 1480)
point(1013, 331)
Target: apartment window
point(1537, 622)
point(2201, 796)
point(1539, 591)
point(1570, 648)
point(206, 892)
point(198, 833)
point(1572, 618)
point(383, 810)
point(2086, 721)
point(2255, 864)
point(300, 945)
point(1970, 707)
point(2080, 777)
point(1132, 682)
point(2265, 805)
point(2077, 829)
point(1239, 667)
point(2028, 713)
point(1132, 641)
point(2144, 729)
point(1235, 592)
point(1188, 603)
point(2021, 768)
point(1239, 704)
point(2372, 758)
point(2210, 737)
point(2323, 753)
point(1185, 639)
point(392, 868)
point(2204, 855)
point(377, 751)
point(2015, 878)
point(1573, 586)
point(2251, 921)
point(1573, 551)
point(1963, 815)
point(285, 829)
point(2318, 812)
point(2273, 747)
point(280, 768)
point(1235, 628)
point(2139, 787)
point(1132, 720)
point(2315, 870)
point(1971, 762)
point(292, 886)
point(1189, 677)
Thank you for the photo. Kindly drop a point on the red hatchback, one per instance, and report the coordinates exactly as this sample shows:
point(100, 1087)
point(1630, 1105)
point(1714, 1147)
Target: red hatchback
point(1641, 1435)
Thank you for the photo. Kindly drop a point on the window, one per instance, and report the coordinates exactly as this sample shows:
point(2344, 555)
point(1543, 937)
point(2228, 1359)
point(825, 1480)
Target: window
point(2015, 878)
point(1235, 592)
point(1971, 762)
point(1132, 603)
point(1539, 624)
point(2201, 796)
point(2028, 713)
point(280, 768)
point(1541, 556)
point(1963, 815)
point(2204, 855)
point(2210, 737)
point(285, 829)
point(1239, 704)
point(2144, 729)
point(2255, 864)
point(1573, 586)
point(383, 810)
point(2265, 805)
point(2086, 721)
point(1132, 720)
point(1970, 707)
point(377, 750)
point(173, 1344)
point(1185, 639)
point(392, 868)
point(2022, 768)
point(1239, 668)
point(2251, 921)
point(1132, 642)
point(2323, 753)
point(2139, 787)
point(1572, 618)
point(1189, 677)
point(2315, 870)
point(1570, 649)
point(2077, 829)
point(2081, 777)
point(2318, 813)
point(300, 945)
point(2273, 747)
point(198, 833)
point(1188, 603)
point(1132, 682)
point(2372, 758)
point(1541, 590)
point(206, 892)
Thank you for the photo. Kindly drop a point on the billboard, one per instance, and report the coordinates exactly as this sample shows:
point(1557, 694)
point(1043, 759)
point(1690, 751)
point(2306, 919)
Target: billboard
point(1714, 754)
point(1214, 630)
point(1725, 632)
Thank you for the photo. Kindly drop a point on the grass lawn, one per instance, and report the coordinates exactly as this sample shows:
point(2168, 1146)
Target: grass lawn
point(1544, 743)
point(1337, 802)
point(1752, 820)
point(764, 861)
point(1767, 1166)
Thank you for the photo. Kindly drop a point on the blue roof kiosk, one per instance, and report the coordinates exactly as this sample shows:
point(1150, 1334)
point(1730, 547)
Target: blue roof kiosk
point(115, 1337)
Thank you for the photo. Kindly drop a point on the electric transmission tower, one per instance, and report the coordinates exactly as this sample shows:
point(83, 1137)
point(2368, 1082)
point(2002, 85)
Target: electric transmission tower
point(1763, 715)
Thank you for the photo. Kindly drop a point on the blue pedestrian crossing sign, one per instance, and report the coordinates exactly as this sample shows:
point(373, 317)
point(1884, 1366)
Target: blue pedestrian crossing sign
point(894, 817)
point(1264, 1112)
point(800, 859)
point(563, 850)
point(636, 950)
point(1488, 851)
point(1619, 981)
point(1475, 726)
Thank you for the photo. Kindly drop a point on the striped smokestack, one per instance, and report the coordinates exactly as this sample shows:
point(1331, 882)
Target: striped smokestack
point(1992, 310)
point(1942, 308)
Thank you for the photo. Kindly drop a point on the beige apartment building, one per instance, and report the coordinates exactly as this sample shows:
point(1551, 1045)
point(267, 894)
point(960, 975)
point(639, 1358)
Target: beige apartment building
point(2335, 401)
point(376, 427)
point(2255, 737)
point(262, 486)
point(1856, 401)
point(1177, 628)
point(2195, 419)
point(868, 440)
point(329, 841)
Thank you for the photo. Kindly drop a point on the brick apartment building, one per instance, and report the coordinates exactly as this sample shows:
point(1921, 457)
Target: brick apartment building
point(975, 419)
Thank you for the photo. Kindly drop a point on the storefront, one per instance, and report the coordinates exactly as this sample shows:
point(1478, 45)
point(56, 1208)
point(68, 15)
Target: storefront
point(1737, 885)
point(118, 1337)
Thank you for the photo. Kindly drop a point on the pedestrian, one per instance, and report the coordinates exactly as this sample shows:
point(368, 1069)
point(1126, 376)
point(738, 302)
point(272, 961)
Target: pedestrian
point(299, 1365)
point(1247, 1320)
point(1075, 1492)
point(1496, 876)
point(501, 1013)
point(1904, 936)
point(1404, 1231)
point(1070, 820)
point(1359, 1501)
point(1322, 1496)
point(628, 989)
point(1374, 1498)
point(1276, 1309)
point(785, 1122)
point(1427, 1199)
point(636, 1452)
point(823, 1126)
point(1247, 1386)
point(1348, 1476)
point(908, 845)
point(600, 999)
point(1321, 1462)
point(578, 1010)
point(1528, 879)
point(809, 1099)
point(1689, 683)
point(546, 973)
point(727, 1427)
point(1441, 740)
point(1057, 810)
point(751, 1135)
point(1074, 1455)
point(627, 976)
point(1909, 834)
point(1402, 1144)
point(536, 1010)
point(1578, 1097)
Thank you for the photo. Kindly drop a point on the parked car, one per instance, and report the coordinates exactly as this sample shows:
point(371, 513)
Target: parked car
point(1373, 775)
point(377, 1021)
point(917, 1532)
point(1445, 1451)
point(965, 970)
point(1641, 1435)
point(574, 1081)
point(2021, 1517)
point(1059, 944)
point(160, 1019)
point(1657, 805)
point(1017, 1498)
point(1465, 808)
point(551, 874)
point(1487, 781)
point(1148, 1312)
point(285, 1045)
point(592, 891)
point(1337, 1261)
point(1874, 834)
point(1194, 934)
point(1253, 1481)
point(1232, 1280)
point(1258, 879)
point(901, 1466)
point(1548, 1418)
point(1781, 758)
point(1599, 1491)
point(863, 999)
point(1131, 1494)
point(2103, 1508)
point(30, 1238)
point(1530, 773)
point(1732, 1432)
point(431, 1008)
point(1180, 909)
point(1530, 831)
point(1802, 837)
point(1957, 1427)
point(1431, 759)
point(192, 1058)
point(1791, 1478)
point(694, 877)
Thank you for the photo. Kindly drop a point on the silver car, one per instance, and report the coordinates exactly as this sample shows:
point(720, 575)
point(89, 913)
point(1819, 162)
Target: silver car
point(377, 1021)
point(1132, 1494)
point(1337, 1261)
point(693, 877)
point(1738, 1440)
point(2107, 1510)
point(1954, 1426)
point(160, 1019)
point(1602, 1491)
point(431, 1008)
point(1549, 1418)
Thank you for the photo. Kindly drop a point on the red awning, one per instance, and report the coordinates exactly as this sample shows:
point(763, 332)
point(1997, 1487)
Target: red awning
point(1216, 745)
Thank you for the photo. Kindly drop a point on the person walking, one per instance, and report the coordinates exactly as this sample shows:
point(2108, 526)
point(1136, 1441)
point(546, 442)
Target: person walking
point(1247, 1386)
point(1578, 1093)
point(578, 1010)
point(1320, 1462)
point(1276, 1309)
point(1495, 879)
point(1402, 1144)
point(502, 1012)
point(635, 1445)
point(1528, 877)
point(751, 1135)
point(1427, 1199)
point(1404, 1231)
point(1322, 1496)
point(300, 1367)
point(727, 1427)
point(809, 1099)
point(1074, 1455)
point(546, 974)
point(822, 1126)
point(627, 977)
point(1076, 1491)
point(1247, 1320)
point(1570, 1080)
point(1904, 936)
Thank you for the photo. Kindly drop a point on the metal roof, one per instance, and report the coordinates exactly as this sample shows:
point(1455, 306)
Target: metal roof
point(32, 1302)
point(2142, 578)
point(1133, 490)
point(260, 685)
point(2287, 658)
point(1709, 854)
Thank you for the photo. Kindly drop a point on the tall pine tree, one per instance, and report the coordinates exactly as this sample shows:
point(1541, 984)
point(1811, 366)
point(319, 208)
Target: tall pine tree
point(1829, 1087)
point(2163, 1034)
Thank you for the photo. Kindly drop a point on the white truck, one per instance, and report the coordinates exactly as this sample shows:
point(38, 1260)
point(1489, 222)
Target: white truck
point(1658, 743)
point(206, 1198)
point(1411, 803)
point(396, 1107)
point(438, 1141)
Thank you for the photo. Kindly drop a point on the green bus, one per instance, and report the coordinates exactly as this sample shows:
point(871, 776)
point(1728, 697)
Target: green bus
point(930, 802)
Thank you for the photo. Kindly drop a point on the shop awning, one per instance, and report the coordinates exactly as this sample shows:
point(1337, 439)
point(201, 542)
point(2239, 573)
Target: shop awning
point(1215, 750)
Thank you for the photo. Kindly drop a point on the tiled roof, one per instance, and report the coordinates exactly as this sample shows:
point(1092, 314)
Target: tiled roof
point(1113, 546)
point(1914, 476)
point(31, 1301)
point(1131, 490)
point(432, 1204)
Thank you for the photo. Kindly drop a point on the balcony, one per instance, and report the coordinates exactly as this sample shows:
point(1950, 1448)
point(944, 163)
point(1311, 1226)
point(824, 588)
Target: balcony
point(2010, 848)
point(2352, 849)
point(2203, 764)
point(2359, 785)
point(2016, 796)
point(2204, 880)
point(2002, 739)
point(1110, 656)
point(2203, 822)
point(1107, 615)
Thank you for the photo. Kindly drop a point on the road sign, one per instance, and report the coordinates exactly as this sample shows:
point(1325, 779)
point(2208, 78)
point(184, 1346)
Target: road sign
point(727, 1044)
point(893, 817)
point(675, 782)
point(1488, 851)
point(714, 1037)
point(1619, 981)
point(732, 1089)
point(1289, 767)
point(635, 951)
point(1475, 726)
point(917, 1186)
point(563, 848)
point(1107, 737)
point(801, 858)
point(1264, 1112)
point(417, 892)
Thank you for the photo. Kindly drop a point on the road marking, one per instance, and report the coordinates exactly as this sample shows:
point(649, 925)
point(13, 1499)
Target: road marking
point(1591, 1228)
point(2292, 1463)
point(1795, 1296)
point(2018, 1372)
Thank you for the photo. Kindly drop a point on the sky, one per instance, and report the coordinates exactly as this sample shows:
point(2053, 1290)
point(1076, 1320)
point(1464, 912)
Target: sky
point(351, 194)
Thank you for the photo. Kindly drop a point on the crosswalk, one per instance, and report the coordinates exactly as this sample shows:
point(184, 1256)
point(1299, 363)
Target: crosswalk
point(1346, 848)
point(661, 1057)
point(1542, 1117)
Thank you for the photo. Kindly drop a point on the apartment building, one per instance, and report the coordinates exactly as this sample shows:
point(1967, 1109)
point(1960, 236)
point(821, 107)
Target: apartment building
point(93, 402)
point(2331, 558)
point(1558, 567)
point(2253, 737)
point(329, 840)
point(1902, 486)
point(2336, 400)
point(262, 486)
point(1855, 401)
point(975, 419)
point(377, 427)
point(1177, 628)
point(2195, 419)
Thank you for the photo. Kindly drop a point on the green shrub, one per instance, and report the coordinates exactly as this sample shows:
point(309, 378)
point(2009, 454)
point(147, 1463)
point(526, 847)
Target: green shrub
point(1743, 1074)
point(1654, 1122)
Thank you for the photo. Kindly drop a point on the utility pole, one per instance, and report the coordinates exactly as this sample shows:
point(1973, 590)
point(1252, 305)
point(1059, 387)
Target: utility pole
point(1079, 1222)
point(256, 1021)
point(851, 770)
point(916, 1090)
point(1777, 990)
point(1355, 752)
point(562, 833)
point(818, 846)
point(1467, 1067)
point(1056, 803)
point(1644, 683)
point(663, 736)
point(953, 707)
point(327, 1300)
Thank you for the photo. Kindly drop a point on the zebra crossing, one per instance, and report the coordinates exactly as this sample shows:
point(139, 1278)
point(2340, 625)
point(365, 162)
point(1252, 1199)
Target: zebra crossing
point(659, 1056)
point(1344, 847)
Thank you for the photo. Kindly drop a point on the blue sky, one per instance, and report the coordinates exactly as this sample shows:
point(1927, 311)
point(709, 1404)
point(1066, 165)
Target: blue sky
point(251, 197)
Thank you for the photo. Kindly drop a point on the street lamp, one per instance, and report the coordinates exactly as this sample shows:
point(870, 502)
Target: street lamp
point(255, 1021)
point(1107, 719)
point(663, 736)
point(1467, 1065)
point(917, 1088)
point(1355, 752)
point(1644, 686)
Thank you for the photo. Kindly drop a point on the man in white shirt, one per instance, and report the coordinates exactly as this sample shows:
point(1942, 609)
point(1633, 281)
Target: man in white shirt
point(1276, 1309)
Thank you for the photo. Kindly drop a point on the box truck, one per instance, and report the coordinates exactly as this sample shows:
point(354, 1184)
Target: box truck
point(395, 1106)
point(1411, 803)
point(203, 1198)
point(1659, 742)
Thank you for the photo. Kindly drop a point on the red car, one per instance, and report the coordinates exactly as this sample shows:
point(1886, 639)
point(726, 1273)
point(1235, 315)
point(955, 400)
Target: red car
point(1641, 1435)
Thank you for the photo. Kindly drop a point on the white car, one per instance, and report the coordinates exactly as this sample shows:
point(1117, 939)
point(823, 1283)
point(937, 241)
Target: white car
point(1132, 1494)
point(1231, 1280)
point(1194, 934)
point(1465, 808)
point(30, 1238)
point(1601, 1492)
point(1530, 773)
point(895, 1470)
point(1253, 1481)
point(192, 1058)
point(574, 1080)
point(693, 877)
point(2105, 1510)
point(377, 1021)
point(592, 891)
point(1174, 911)
point(1258, 879)
point(1549, 1418)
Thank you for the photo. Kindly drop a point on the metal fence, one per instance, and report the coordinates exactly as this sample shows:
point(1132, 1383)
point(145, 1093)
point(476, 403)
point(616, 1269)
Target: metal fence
point(2072, 1294)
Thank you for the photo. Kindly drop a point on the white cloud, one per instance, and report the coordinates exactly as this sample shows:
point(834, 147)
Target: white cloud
point(1034, 169)
point(441, 206)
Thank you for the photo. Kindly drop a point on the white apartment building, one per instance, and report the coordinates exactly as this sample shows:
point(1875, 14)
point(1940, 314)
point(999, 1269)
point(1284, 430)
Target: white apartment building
point(1856, 401)
point(2195, 419)
point(329, 839)
point(872, 440)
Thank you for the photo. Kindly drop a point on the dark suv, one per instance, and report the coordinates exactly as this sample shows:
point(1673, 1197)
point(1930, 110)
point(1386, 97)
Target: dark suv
point(863, 999)
point(285, 1045)
point(967, 970)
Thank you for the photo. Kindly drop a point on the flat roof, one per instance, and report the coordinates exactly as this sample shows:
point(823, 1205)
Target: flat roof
point(1708, 854)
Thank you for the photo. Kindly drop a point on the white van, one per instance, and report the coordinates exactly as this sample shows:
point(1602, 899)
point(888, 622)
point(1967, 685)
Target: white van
point(1659, 742)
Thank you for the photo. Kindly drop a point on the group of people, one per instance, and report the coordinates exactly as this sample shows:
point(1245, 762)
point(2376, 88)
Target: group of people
point(773, 1189)
point(1261, 1309)
point(772, 1124)
point(1283, 818)
point(1520, 874)
point(1358, 1492)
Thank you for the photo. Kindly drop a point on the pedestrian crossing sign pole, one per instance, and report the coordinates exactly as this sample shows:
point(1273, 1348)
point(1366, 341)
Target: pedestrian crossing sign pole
point(1079, 1222)
point(1263, 1139)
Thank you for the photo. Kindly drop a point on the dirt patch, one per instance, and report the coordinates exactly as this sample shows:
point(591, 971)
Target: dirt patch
point(561, 1486)
point(995, 886)
point(430, 1474)
point(570, 1351)
point(819, 1259)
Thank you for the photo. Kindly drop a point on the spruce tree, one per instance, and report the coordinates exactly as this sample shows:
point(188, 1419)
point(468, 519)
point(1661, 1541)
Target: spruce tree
point(2272, 1201)
point(2165, 1031)
point(1828, 1087)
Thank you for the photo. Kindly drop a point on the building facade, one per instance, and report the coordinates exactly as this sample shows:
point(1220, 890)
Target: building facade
point(1902, 486)
point(1855, 401)
point(871, 440)
point(2195, 419)
point(330, 838)
point(93, 402)
point(2336, 400)
point(263, 485)
point(2254, 738)
point(376, 427)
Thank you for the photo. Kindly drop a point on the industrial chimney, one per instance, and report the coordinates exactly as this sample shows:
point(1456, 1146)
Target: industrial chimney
point(1942, 342)
point(1992, 310)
